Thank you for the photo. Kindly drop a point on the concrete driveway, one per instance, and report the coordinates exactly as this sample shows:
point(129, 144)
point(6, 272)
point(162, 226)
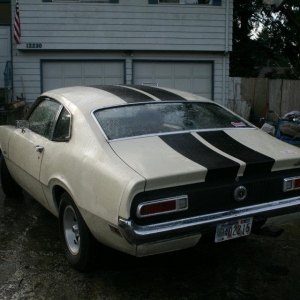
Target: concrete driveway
point(32, 265)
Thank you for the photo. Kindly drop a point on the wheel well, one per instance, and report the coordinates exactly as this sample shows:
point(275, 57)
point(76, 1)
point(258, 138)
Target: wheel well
point(57, 193)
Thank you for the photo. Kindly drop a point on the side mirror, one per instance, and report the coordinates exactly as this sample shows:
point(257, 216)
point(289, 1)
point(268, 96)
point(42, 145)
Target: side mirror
point(22, 124)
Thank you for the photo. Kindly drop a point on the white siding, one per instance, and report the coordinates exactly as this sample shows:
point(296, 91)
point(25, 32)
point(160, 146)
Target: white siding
point(28, 69)
point(28, 77)
point(128, 25)
point(130, 30)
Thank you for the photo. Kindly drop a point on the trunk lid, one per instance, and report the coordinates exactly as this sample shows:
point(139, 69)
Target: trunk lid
point(209, 156)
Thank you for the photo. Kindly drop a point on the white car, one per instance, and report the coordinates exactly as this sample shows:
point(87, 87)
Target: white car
point(146, 170)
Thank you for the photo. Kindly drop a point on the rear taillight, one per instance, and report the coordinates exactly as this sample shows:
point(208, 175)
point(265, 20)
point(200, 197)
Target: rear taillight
point(162, 206)
point(291, 184)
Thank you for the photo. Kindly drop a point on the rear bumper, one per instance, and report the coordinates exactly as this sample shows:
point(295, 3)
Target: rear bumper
point(139, 235)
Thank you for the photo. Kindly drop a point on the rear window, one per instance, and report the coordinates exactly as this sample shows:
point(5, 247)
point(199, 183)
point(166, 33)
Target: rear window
point(161, 117)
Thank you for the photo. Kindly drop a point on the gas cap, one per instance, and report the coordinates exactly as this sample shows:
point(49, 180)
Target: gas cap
point(240, 193)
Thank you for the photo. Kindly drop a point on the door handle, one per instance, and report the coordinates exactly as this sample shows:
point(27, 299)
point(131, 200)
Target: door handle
point(39, 148)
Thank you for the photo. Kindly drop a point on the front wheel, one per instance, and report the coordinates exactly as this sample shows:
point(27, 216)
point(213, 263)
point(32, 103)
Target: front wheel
point(77, 241)
point(9, 186)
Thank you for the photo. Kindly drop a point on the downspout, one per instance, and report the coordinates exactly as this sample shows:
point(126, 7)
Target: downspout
point(11, 53)
point(225, 56)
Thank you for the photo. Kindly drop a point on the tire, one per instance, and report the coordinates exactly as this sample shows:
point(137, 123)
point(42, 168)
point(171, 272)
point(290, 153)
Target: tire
point(77, 241)
point(9, 186)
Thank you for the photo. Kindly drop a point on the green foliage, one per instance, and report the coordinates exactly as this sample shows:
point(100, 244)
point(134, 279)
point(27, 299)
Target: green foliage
point(264, 38)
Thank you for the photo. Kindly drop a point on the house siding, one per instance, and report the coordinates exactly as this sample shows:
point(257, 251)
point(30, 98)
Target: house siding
point(128, 25)
point(127, 30)
point(4, 51)
point(27, 71)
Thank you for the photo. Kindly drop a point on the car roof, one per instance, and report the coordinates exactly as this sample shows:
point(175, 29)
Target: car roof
point(94, 97)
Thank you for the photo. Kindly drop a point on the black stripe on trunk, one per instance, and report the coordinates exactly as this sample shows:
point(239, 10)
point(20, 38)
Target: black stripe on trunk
point(126, 94)
point(161, 94)
point(219, 167)
point(257, 163)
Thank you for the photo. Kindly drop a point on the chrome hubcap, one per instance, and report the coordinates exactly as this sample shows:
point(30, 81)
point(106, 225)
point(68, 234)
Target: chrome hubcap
point(71, 230)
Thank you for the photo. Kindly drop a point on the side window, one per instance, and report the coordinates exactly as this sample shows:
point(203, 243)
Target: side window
point(42, 119)
point(5, 12)
point(62, 131)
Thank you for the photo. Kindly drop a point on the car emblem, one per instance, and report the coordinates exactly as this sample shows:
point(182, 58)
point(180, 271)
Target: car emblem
point(240, 193)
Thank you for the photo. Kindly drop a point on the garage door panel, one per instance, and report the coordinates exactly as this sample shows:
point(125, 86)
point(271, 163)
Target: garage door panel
point(163, 70)
point(203, 70)
point(93, 81)
point(182, 70)
point(70, 73)
point(71, 81)
point(113, 69)
point(72, 69)
point(144, 70)
point(163, 82)
point(92, 69)
point(108, 81)
point(183, 84)
point(140, 81)
point(202, 85)
point(53, 70)
point(53, 83)
point(194, 77)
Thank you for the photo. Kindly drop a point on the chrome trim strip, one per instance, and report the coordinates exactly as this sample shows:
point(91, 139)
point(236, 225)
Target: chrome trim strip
point(177, 209)
point(97, 123)
point(285, 183)
point(136, 234)
point(55, 124)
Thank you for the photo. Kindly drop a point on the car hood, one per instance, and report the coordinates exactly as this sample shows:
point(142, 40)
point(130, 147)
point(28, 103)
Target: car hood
point(193, 157)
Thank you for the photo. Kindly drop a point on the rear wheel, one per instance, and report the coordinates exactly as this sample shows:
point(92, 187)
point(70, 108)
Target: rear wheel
point(77, 241)
point(9, 186)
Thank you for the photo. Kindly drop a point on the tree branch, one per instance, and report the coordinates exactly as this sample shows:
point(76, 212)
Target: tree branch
point(290, 16)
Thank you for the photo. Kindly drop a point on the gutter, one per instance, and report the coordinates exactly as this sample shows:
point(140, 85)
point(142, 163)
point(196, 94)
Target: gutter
point(225, 56)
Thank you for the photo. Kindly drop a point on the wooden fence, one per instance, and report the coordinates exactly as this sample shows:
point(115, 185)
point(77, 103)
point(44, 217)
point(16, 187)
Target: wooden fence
point(276, 97)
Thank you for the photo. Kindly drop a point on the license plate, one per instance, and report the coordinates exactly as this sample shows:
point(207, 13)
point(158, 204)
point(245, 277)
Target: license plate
point(233, 229)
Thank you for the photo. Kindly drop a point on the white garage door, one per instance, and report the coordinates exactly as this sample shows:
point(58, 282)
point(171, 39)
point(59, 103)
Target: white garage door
point(58, 74)
point(192, 77)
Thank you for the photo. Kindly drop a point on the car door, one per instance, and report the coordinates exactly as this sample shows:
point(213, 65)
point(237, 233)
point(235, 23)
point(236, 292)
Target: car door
point(27, 146)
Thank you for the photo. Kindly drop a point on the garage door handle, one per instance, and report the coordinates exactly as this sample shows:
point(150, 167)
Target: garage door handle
point(39, 148)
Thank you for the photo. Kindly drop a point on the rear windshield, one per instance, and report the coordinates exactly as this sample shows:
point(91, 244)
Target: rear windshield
point(160, 117)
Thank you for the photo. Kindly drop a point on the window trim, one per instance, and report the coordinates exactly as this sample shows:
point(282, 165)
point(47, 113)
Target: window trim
point(32, 109)
point(56, 122)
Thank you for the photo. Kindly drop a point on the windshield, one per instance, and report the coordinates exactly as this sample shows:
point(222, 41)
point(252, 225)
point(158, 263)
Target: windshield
point(161, 117)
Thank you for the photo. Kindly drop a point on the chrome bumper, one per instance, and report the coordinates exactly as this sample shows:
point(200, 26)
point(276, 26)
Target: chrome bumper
point(138, 235)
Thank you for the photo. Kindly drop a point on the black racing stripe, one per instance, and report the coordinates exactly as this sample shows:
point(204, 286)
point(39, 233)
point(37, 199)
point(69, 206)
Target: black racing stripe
point(257, 163)
point(161, 94)
point(126, 94)
point(219, 167)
